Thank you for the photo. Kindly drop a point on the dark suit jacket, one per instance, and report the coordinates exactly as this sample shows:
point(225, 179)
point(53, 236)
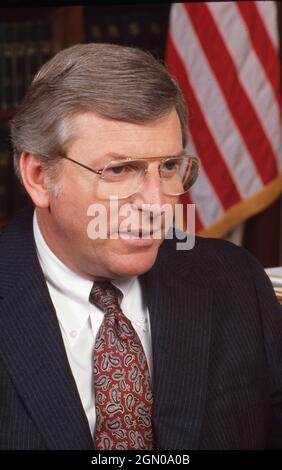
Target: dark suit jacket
point(217, 351)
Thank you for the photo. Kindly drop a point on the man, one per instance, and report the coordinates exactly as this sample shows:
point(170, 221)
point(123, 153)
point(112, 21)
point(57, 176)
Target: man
point(123, 341)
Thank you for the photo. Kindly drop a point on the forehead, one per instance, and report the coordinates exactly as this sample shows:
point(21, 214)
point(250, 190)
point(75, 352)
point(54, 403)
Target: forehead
point(99, 136)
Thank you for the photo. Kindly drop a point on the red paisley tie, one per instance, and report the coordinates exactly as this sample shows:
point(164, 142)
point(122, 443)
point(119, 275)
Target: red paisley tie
point(123, 396)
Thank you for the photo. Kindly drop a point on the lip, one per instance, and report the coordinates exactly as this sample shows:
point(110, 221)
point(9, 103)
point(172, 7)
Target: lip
point(140, 234)
point(137, 242)
point(133, 239)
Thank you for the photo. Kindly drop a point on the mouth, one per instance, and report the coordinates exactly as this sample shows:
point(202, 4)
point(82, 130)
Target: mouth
point(141, 234)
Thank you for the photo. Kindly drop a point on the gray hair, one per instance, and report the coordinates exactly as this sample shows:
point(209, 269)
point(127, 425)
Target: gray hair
point(121, 83)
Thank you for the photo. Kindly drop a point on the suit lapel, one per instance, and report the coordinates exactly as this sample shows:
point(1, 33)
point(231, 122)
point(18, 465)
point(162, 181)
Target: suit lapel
point(32, 349)
point(180, 318)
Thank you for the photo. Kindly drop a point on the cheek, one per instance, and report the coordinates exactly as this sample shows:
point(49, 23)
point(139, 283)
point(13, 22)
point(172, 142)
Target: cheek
point(70, 218)
point(74, 202)
point(123, 261)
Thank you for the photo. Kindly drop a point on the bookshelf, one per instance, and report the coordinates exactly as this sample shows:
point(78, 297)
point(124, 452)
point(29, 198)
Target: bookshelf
point(138, 25)
point(31, 35)
point(28, 37)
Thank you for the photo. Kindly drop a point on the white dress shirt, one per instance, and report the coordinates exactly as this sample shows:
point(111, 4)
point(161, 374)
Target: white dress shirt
point(80, 320)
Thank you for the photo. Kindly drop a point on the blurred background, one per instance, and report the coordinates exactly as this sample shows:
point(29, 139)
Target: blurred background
point(227, 59)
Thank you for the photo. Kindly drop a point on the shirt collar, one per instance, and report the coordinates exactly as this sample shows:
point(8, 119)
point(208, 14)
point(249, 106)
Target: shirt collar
point(125, 285)
point(132, 303)
point(77, 289)
point(57, 273)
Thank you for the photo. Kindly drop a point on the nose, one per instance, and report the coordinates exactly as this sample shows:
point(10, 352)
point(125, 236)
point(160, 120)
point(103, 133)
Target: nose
point(149, 199)
point(154, 207)
point(150, 191)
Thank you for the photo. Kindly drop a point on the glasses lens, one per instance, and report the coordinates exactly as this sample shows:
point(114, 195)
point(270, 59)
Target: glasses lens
point(121, 179)
point(179, 174)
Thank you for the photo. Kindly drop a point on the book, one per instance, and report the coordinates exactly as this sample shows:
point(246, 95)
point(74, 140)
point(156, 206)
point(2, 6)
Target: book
point(3, 98)
point(24, 47)
point(5, 172)
point(275, 276)
point(129, 25)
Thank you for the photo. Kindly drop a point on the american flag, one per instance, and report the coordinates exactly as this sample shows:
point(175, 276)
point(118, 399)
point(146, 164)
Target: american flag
point(224, 55)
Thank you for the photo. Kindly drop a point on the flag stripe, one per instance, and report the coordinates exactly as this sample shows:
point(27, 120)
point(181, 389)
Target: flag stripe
point(186, 199)
point(256, 85)
point(240, 106)
point(206, 199)
point(218, 174)
point(208, 206)
point(261, 43)
point(213, 105)
point(268, 14)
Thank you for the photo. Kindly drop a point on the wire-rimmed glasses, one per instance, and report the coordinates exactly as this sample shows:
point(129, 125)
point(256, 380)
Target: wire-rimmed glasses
point(124, 177)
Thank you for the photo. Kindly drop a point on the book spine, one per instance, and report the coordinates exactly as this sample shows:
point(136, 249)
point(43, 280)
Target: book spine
point(14, 64)
point(3, 98)
point(43, 42)
point(21, 51)
point(30, 53)
point(7, 66)
point(5, 172)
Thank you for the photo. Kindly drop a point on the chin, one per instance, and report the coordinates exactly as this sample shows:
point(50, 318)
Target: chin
point(133, 265)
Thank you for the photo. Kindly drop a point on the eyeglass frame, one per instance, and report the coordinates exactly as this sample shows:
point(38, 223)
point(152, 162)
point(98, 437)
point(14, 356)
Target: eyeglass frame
point(129, 159)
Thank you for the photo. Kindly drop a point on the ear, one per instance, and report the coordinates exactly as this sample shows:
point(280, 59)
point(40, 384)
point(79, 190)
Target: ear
point(34, 179)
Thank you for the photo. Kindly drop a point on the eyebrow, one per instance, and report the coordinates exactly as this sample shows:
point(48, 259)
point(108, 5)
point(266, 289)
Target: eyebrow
point(119, 156)
point(116, 156)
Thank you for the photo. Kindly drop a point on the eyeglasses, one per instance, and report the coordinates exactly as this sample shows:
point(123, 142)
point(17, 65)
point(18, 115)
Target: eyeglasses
point(124, 178)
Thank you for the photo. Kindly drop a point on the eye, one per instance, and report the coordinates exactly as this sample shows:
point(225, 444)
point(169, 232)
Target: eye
point(171, 166)
point(118, 171)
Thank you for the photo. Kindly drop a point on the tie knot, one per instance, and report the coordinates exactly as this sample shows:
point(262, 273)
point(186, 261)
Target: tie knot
point(105, 296)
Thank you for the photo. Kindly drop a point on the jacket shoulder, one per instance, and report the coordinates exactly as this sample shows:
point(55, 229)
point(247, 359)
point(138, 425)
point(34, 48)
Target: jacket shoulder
point(210, 258)
point(17, 249)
